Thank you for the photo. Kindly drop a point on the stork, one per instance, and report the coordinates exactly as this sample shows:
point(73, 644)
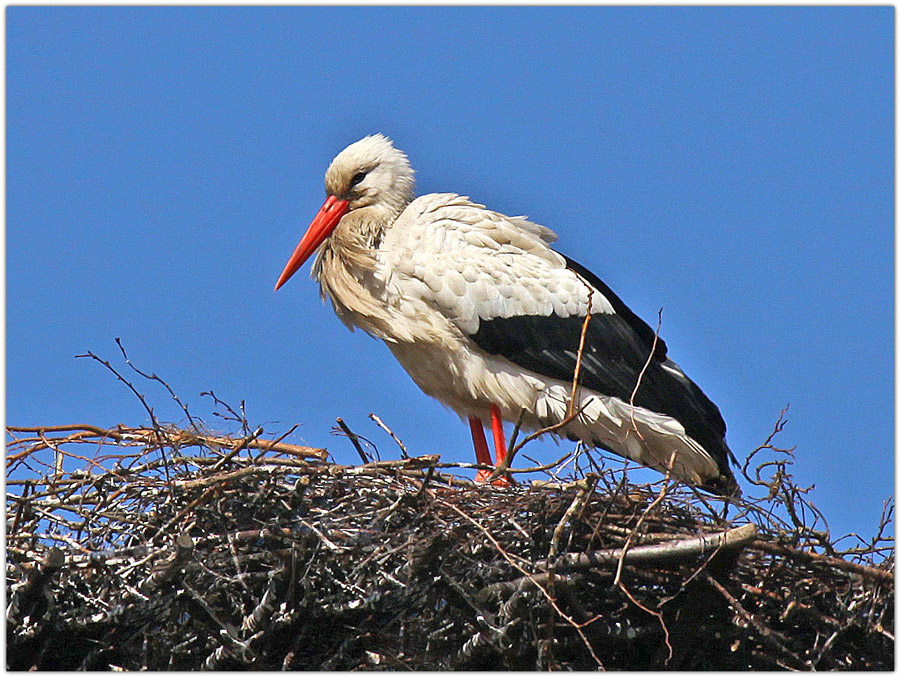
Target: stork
point(487, 318)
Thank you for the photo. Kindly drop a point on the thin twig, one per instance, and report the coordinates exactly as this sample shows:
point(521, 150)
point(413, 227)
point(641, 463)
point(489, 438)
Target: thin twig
point(354, 438)
point(154, 377)
point(403, 451)
point(640, 377)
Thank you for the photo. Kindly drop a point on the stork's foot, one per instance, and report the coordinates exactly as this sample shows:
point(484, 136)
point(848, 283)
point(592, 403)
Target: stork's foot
point(502, 481)
point(481, 448)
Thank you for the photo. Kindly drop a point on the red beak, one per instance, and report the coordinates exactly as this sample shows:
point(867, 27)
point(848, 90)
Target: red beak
point(320, 228)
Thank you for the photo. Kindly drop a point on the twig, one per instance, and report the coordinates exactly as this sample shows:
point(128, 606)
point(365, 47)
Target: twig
point(354, 438)
point(585, 489)
point(128, 384)
point(577, 373)
point(181, 438)
point(235, 416)
point(640, 377)
point(815, 558)
point(403, 452)
point(154, 377)
point(327, 542)
point(237, 447)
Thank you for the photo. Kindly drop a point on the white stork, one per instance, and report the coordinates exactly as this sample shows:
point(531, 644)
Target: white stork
point(487, 318)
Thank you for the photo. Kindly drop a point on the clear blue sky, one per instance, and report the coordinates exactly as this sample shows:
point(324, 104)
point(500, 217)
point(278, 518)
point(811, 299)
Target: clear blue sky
point(734, 166)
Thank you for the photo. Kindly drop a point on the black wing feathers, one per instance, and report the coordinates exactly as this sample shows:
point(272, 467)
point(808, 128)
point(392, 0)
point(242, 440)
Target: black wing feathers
point(641, 328)
point(615, 351)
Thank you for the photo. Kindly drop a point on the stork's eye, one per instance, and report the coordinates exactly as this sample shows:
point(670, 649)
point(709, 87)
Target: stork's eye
point(359, 176)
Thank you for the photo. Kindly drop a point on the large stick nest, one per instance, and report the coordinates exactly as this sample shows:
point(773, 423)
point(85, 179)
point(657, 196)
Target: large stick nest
point(168, 549)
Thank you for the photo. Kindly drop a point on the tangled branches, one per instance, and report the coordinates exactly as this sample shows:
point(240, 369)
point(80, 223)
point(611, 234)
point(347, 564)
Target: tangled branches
point(253, 553)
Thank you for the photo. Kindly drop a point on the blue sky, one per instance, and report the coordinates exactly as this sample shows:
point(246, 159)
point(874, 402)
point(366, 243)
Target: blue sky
point(734, 166)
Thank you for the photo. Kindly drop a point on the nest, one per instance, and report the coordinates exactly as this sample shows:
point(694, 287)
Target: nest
point(173, 549)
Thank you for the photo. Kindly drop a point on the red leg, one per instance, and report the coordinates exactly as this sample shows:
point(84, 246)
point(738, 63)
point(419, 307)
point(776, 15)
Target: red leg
point(499, 437)
point(481, 448)
point(499, 445)
point(482, 455)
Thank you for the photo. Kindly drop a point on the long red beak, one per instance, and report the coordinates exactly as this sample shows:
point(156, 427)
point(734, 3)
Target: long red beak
point(320, 228)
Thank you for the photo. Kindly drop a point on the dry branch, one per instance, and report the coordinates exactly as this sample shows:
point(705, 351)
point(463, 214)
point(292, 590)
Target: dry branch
point(150, 436)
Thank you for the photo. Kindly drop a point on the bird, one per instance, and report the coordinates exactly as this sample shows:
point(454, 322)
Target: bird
point(486, 317)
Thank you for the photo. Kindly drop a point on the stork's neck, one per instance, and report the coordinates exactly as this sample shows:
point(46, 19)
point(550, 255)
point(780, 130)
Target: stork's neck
point(345, 268)
point(368, 224)
point(347, 259)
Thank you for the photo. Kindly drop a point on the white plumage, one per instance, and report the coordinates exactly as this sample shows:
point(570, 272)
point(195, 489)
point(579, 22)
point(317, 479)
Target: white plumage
point(483, 314)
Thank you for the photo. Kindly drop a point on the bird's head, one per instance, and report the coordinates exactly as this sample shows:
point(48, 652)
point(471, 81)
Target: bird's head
point(371, 172)
point(370, 175)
